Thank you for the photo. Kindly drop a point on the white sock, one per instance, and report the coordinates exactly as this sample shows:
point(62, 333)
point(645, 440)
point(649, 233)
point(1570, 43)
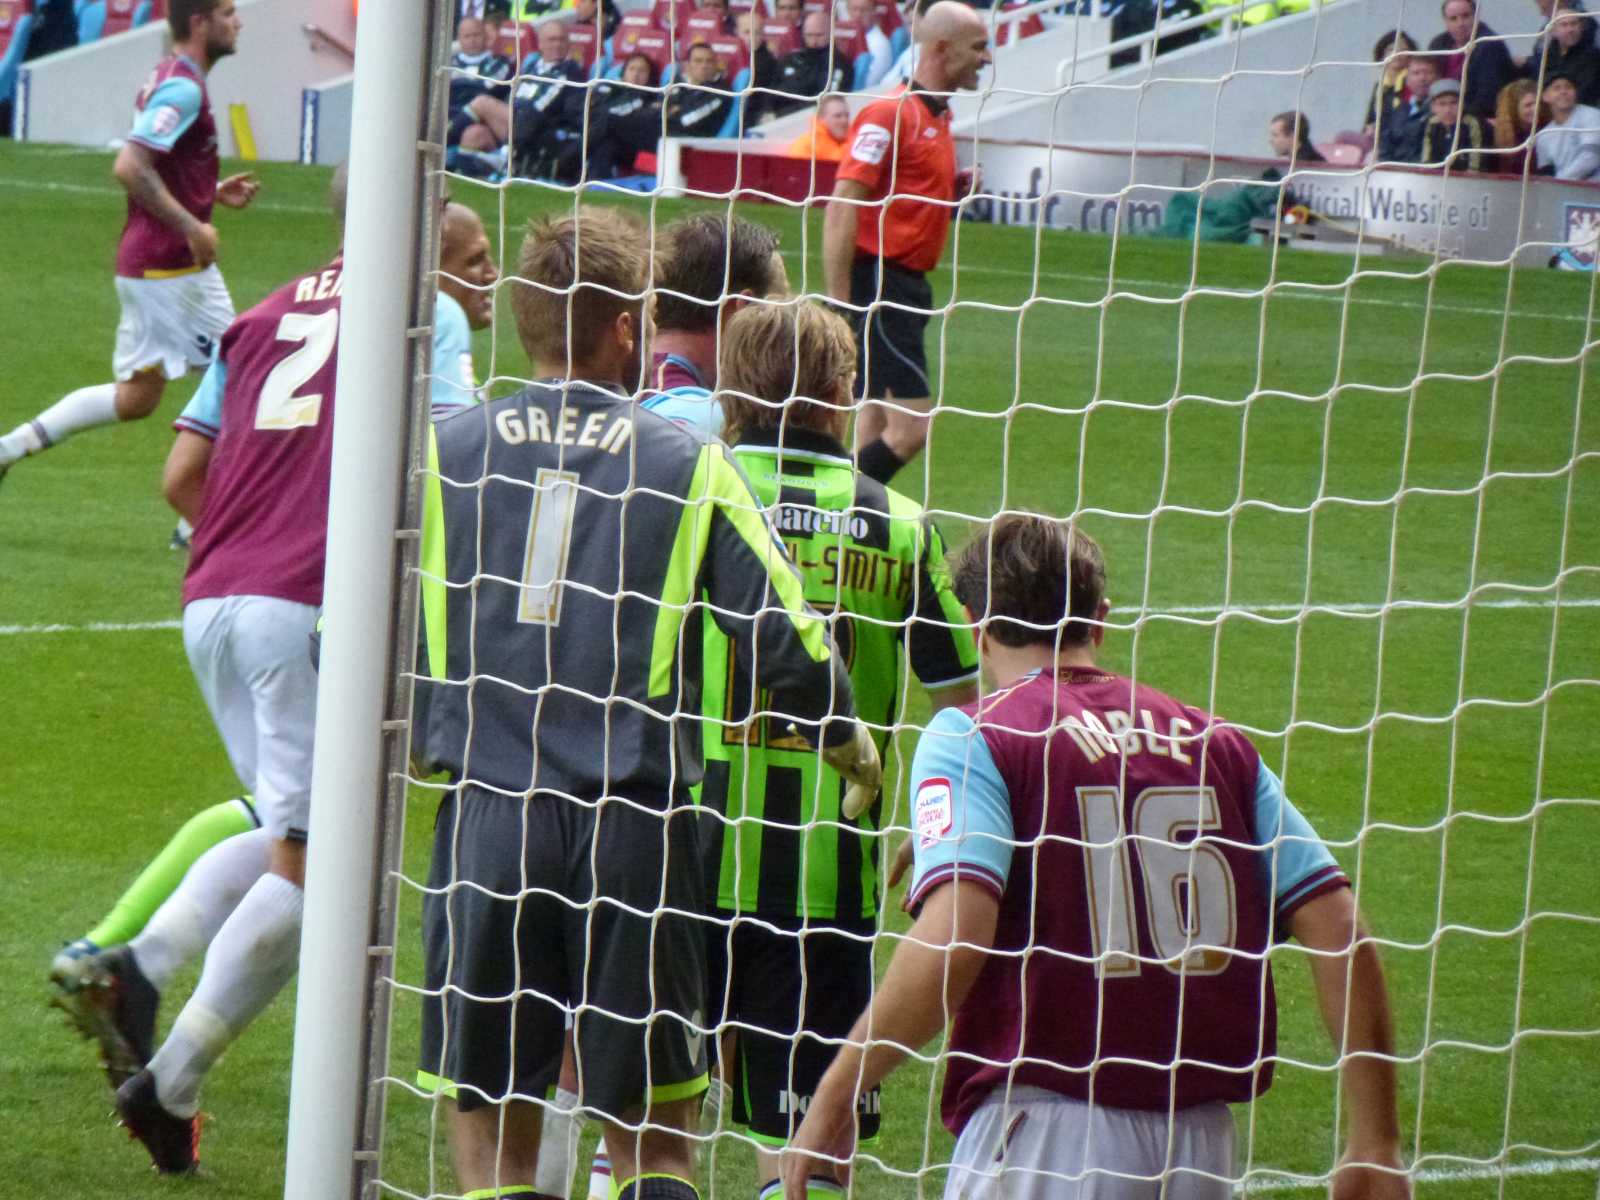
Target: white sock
point(600, 1175)
point(711, 1108)
point(558, 1145)
point(184, 925)
point(73, 413)
point(253, 955)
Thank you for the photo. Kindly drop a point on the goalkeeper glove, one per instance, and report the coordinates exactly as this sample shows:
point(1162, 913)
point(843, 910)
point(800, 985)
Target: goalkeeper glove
point(857, 760)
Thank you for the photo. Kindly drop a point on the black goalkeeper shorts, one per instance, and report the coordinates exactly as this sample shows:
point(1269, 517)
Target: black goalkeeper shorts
point(783, 994)
point(889, 337)
point(519, 931)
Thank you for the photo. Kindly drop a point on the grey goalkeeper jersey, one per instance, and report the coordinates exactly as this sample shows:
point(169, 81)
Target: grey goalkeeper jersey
point(572, 544)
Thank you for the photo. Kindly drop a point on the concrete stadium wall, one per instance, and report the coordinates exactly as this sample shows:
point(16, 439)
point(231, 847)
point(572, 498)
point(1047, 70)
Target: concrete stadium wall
point(84, 96)
point(325, 121)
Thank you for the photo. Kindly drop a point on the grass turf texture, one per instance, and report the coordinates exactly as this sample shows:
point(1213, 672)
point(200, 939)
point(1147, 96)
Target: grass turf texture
point(1390, 438)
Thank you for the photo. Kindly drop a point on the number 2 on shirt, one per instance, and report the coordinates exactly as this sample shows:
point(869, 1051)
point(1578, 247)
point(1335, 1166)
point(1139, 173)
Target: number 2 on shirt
point(1189, 892)
point(278, 407)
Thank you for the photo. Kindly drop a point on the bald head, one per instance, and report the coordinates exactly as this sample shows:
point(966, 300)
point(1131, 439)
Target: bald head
point(466, 268)
point(952, 47)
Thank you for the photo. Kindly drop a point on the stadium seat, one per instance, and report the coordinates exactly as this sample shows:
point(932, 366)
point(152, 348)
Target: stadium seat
point(16, 28)
point(91, 20)
point(585, 42)
point(632, 26)
point(731, 55)
point(730, 124)
point(119, 16)
point(1342, 154)
point(515, 40)
point(1017, 30)
point(781, 37)
point(657, 46)
point(700, 27)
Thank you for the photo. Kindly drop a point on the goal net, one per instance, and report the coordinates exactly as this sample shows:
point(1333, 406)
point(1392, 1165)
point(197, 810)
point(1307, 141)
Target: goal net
point(1330, 418)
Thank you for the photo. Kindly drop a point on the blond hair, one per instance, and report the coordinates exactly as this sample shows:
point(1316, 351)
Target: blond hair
point(575, 275)
point(777, 362)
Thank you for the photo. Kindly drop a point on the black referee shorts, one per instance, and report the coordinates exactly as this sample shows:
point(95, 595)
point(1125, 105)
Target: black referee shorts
point(782, 992)
point(889, 336)
point(545, 906)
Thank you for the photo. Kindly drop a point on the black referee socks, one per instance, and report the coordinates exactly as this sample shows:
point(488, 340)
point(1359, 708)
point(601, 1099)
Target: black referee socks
point(876, 461)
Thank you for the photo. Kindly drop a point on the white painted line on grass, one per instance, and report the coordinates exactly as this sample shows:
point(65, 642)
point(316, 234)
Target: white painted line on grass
point(1286, 289)
point(90, 627)
point(1517, 1170)
point(1356, 607)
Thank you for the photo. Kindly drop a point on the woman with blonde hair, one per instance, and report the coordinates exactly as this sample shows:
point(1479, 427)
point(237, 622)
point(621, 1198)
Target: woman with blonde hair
point(1517, 117)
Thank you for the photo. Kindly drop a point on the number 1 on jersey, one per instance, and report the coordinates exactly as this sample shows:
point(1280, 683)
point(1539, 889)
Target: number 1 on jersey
point(544, 566)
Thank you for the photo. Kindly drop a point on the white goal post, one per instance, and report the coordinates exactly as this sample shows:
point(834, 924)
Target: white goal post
point(358, 780)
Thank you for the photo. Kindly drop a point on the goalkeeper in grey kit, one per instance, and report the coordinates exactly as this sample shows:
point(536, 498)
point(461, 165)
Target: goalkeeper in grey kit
point(572, 546)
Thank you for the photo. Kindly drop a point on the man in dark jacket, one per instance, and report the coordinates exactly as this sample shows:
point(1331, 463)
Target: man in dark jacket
point(475, 70)
point(1402, 129)
point(699, 105)
point(1568, 49)
point(547, 110)
point(1475, 55)
point(813, 69)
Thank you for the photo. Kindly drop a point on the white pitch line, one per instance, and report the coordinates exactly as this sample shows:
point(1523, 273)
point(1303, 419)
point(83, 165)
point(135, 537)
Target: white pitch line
point(1285, 290)
point(1174, 610)
point(1542, 1166)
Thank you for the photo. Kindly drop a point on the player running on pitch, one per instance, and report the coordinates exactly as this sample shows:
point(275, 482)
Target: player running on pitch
point(175, 305)
point(779, 848)
point(250, 603)
point(1101, 872)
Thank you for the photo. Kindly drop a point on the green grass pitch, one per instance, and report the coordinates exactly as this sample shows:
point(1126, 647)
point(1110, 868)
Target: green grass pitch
point(1374, 447)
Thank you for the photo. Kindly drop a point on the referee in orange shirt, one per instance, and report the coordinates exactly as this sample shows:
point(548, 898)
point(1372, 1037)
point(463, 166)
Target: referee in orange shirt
point(885, 229)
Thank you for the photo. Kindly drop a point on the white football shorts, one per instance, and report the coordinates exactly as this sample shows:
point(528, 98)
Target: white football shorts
point(251, 656)
point(172, 324)
point(1042, 1146)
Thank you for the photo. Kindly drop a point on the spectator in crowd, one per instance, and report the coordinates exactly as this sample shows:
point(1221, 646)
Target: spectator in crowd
point(700, 104)
point(1289, 136)
point(824, 141)
point(624, 119)
point(1400, 132)
point(879, 53)
point(545, 111)
point(1474, 55)
point(475, 71)
point(1569, 49)
point(763, 64)
point(1547, 10)
point(1516, 120)
point(1568, 146)
point(1452, 137)
point(812, 70)
point(718, 8)
point(1393, 51)
point(788, 11)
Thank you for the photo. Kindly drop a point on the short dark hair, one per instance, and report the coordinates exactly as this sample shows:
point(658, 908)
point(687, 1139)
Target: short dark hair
point(708, 258)
point(180, 13)
point(1031, 581)
point(1297, 125)
point(575, 274)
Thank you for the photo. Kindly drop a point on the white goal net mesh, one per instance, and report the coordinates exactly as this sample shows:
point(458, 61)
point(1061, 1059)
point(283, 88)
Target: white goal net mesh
point(1330, 418)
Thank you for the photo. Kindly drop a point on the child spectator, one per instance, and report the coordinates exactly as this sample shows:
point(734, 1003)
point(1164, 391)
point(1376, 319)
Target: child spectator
point(1568, 147)
point(1452, 137)
point(824, 141)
